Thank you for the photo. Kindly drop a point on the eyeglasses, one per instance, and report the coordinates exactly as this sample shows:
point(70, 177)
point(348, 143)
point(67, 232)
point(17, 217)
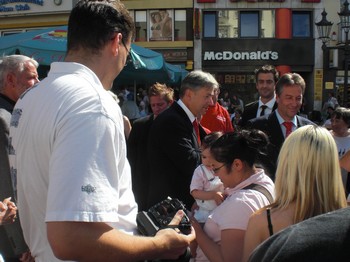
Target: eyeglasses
point(215, 170)
point(128, 58)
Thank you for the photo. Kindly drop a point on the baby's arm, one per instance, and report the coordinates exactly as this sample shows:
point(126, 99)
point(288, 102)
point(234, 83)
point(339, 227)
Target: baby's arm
point(208, 195)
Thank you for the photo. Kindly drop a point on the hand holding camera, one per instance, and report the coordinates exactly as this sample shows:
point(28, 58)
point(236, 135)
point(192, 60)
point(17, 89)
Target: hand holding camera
point(169, 213)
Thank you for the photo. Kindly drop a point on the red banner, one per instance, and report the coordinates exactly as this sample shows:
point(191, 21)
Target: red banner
point(206, 1)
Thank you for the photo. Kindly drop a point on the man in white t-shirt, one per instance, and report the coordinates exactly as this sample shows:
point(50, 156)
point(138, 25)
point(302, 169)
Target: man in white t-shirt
point(69, 151)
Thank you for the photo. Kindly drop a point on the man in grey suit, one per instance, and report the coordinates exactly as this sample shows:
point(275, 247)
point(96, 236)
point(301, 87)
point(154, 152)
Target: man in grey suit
point(17, 74)
point(289, 97)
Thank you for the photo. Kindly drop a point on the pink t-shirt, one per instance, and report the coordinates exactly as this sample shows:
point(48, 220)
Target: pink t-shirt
point(235, 211)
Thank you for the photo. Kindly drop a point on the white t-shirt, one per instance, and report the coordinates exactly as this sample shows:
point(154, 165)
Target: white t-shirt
point(235, 211)
point(205, 180)
point(343, 145)
point(70, 156)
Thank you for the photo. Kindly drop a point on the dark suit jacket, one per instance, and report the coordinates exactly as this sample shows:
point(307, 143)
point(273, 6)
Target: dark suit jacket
point(250, 111)
point(269, 124)
point(138, 159)
point(12, 243)
point(173, 156)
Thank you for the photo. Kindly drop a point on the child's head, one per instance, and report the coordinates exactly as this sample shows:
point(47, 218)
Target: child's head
point(205, 147)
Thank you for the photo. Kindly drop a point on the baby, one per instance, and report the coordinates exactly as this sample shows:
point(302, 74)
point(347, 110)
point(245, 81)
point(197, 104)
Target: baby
point(206, 188)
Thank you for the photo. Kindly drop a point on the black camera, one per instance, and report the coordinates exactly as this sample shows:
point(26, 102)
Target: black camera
point(159, 216)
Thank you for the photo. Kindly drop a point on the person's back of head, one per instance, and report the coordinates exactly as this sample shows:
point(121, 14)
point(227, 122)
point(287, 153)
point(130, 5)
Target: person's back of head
point(93, 23)
point(308, 173)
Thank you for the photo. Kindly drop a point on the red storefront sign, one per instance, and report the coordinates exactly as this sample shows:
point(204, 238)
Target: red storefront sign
point(206, 1)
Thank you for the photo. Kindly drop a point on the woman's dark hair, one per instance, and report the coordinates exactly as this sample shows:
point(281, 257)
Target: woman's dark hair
point(246, 145)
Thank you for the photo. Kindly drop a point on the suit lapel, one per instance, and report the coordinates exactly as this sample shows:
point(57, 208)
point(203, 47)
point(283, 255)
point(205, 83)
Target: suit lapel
point(188, 123)
point(275, 129)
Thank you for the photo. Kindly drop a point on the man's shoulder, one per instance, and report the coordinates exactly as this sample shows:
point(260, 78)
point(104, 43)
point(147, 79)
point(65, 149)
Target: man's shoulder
point(263, 119)
point(143, 120)
point(264, 123)
point(304, 121)
point(251, 105)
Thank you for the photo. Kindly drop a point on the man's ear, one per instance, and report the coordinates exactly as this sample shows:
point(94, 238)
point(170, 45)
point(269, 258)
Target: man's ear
point(116, 43)
point(11, 79)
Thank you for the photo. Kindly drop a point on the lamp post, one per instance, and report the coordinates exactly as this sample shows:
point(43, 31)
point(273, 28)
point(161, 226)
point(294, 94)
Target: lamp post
point(324, 27)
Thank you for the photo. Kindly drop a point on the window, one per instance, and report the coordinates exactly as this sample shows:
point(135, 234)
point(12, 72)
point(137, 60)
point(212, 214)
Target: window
point(141, 25)
point(267, 24)
point(180, 25)
point(236, 23)
point(249, 24)
point(228, 24)
point(301, 24)
point(209, 24)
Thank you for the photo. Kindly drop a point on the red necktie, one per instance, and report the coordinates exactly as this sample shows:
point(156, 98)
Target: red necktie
point(196, 129)
point(288, 126)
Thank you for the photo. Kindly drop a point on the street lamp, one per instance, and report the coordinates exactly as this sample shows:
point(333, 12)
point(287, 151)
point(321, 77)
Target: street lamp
point(324, 27)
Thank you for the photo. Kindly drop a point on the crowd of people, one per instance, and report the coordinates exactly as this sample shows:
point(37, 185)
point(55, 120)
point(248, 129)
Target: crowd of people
point(78, 170)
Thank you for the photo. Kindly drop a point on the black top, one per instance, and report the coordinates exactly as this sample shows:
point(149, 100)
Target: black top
point(321, 238)
point(6, 103)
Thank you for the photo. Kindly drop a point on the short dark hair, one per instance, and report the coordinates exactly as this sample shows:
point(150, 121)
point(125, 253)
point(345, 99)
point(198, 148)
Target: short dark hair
point(290, 79)
point(93, 23)
point(342, 113)
point(265, 69)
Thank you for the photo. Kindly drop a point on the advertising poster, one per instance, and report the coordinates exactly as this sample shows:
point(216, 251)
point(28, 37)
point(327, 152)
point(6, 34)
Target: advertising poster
point(161, 25)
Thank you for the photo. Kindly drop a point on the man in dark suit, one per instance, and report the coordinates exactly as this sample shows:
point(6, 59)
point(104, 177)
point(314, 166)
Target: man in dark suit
point(160, 97)
point(173, 142)
point(289, 96)
point(266, 78)
point(17, 74)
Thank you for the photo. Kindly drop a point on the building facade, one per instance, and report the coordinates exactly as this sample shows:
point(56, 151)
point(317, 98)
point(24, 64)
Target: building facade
point(23, 15)
point(236, 37)
point(228, 38)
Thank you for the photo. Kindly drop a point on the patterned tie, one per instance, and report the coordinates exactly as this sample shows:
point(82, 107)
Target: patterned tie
point(288, 126)
point(263, 107)
point(196, 129)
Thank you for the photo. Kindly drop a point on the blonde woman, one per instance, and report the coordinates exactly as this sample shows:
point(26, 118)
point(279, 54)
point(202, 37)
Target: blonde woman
point(308, 183)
